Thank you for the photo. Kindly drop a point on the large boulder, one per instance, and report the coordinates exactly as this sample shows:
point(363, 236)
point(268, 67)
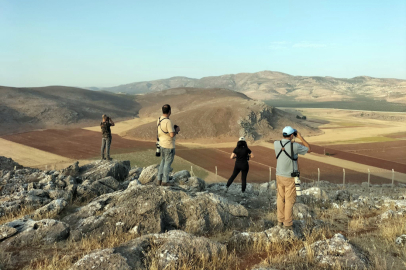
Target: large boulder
point(181, 176)
point(101, 169)
point(149, 174)
point(155, 209)
point(89, 190)
point(336, 252)
point(29, 232)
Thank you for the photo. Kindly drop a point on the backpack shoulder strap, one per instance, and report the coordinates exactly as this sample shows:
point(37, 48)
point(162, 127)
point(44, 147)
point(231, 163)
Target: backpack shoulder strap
point(286, 153)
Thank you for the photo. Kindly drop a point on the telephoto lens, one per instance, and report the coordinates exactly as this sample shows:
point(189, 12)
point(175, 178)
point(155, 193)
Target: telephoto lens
point(158, 150)
point(298, 189)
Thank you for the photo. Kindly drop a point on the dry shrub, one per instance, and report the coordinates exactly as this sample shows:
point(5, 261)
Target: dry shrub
point(357, 223)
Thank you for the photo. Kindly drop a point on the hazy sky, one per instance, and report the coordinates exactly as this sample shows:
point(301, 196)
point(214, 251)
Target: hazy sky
point(106, 43)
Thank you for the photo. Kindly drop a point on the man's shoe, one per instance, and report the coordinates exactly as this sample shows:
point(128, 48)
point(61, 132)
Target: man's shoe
point(280, 224)
point(109, 159)
point(167, 184)
point(290, 228)
point(159, 182)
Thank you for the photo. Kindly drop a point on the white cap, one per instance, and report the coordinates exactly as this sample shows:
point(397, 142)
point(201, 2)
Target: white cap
point(288, 130)
point(242, 139)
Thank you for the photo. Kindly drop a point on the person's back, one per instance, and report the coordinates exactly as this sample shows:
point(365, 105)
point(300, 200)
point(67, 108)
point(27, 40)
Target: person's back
point(284, 166)
point(286, 170)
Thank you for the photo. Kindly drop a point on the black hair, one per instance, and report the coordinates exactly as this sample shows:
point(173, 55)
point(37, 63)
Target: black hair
point(242, 144)
point(166, 109)
point(286, 135)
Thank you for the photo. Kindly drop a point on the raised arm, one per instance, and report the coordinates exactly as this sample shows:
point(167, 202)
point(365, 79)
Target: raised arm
point(305, 143)
point(111, 122)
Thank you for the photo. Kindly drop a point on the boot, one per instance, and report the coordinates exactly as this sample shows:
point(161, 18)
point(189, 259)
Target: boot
point(159, 182)
point(280, 224)
point(109, 159)
point(290, 228)
point(102, 158)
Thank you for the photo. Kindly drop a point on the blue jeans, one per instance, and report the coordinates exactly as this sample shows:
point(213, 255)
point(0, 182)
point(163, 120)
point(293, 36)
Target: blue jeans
point(167, 156)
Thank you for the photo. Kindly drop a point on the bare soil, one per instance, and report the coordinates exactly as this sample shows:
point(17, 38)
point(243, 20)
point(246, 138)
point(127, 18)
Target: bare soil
point(76, 143)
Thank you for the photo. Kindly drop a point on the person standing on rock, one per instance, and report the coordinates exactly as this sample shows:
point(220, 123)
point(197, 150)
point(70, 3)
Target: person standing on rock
point(242, 154)
point(166, 136)
point(286, 171)
point(105, 125)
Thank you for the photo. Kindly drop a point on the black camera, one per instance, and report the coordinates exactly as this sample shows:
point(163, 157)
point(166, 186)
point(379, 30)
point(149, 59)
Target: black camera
point(295, 133)
point(295, 174)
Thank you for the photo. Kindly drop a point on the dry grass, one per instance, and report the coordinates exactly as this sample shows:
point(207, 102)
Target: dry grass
point(64, 257)
point(10, 216)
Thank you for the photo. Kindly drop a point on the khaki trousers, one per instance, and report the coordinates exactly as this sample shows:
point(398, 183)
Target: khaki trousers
point(286, 199)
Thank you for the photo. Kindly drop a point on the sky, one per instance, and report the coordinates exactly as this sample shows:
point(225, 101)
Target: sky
point(108, 43)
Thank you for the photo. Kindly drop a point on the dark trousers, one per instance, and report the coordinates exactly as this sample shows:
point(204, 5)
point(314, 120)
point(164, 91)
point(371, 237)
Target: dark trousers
point(243, 168)
point(106, 142)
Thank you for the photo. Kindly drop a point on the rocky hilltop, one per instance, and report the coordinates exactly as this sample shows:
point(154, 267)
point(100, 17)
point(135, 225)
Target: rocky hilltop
point(270, 85)
point(111, 215)
point(216, 114)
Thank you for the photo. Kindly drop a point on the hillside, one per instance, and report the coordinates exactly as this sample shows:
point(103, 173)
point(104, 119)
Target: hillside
point(24, 109)
point(270, 85)
point(215, 114)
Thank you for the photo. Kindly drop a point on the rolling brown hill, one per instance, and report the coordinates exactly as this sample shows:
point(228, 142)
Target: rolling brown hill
point(25, 109)
point(270, 85)
point(215, 115)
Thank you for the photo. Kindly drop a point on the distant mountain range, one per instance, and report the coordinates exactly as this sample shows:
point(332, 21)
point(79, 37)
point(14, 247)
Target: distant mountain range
point(266, 85)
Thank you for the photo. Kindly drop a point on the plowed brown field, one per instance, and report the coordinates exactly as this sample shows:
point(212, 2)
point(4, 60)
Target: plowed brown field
point(265, 158)
point(76, 143)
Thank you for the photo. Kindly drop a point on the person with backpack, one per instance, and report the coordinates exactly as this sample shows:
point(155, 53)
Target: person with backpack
point(287, 151)
point(105, 125)
point(242, 154)
point(166, 142)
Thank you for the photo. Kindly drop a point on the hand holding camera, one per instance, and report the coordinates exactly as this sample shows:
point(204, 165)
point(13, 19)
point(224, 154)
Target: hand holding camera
point(177, 129)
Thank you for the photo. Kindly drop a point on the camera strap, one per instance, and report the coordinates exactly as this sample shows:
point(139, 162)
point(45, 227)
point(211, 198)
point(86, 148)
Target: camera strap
point(291, 156)
point(159, 125)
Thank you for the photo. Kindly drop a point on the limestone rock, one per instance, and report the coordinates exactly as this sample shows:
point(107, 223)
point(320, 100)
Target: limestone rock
point(401, 240)
point(89, 190)
point(302, 211)
point(101, 169)
point(52, 209)
point(316, 193)
point(102, 259)
point(342, 195)
point(6, 232)
point(31, 232)
point(149, 174)
point(181, 177)
point(193, 184)
point(157, 209)
point(72, 170)
point(336, 252)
